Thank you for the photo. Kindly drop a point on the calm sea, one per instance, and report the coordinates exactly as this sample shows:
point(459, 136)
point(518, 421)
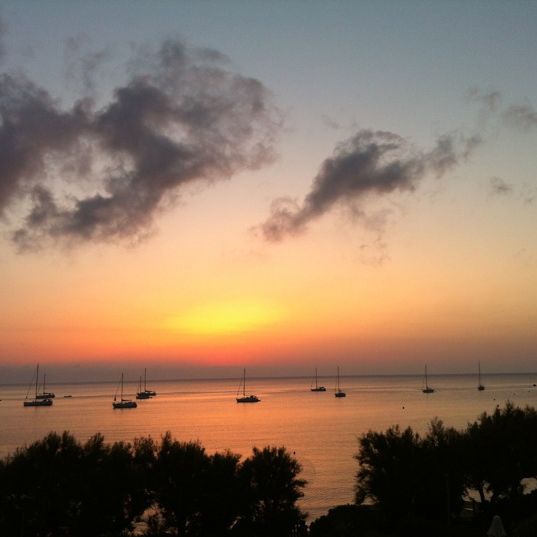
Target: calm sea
point(319, 429)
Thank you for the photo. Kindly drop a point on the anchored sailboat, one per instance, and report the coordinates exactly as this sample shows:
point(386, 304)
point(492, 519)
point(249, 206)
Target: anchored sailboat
point(149, 393)
point(317, 388)
point(245, 398)
point(142, 394)
point(44, 394)
point(123, 403)
point(427, 388)
point(37, 401)
point(480, 386)
point(338, 392)
point(145, 393)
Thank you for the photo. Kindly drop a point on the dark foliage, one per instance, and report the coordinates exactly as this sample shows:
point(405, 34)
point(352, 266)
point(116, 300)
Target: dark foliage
point(197, 494)
point(270, 483)
point(418, 483)
point(56, 486)
point(59, 487)
point(349, 520)
point(501, 451)
point(411, 477)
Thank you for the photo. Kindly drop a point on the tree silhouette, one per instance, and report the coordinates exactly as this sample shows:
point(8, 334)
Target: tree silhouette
point(387, 473)
point(409, 477)
point(39, 485)
point(272, 489)
point(442, 476)
point(59, 487)
point(222, 495)
point(180, 469)
point(501, 450)
point(112, 485)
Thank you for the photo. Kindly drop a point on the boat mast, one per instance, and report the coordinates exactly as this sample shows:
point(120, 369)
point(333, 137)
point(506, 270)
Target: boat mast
point(316, 386)
point(478, 374)
point(244, 382)
point(426, 384)
point(36, 379)
point(121, 387)
point(145, 380)
point(337, 389)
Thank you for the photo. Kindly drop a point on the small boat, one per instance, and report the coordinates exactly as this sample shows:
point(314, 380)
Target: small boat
point(44, 394)
point(67, 396)
point(142, 394)
point(427, 388)
point(317, 388)
point(36, 401)
point(123, 403)
point(338, 392)
point(245, 398)
point(480, 386)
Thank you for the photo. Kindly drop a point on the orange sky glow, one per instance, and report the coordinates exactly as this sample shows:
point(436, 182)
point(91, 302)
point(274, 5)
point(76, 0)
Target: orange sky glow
point(234, 223)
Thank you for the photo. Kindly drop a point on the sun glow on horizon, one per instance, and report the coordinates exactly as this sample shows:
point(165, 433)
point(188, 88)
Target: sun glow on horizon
point(226, 318)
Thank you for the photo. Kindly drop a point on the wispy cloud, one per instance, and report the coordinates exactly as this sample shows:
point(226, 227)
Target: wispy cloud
point(525, 193)
point(81, 65)
point(523, 116)
point(185, 117)
point(374, 253)
point(368, 163)
point(519, 115)
point(491, 99)
point(500, 187)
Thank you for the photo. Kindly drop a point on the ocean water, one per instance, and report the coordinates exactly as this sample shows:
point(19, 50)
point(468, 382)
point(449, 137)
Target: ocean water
point(319, 429)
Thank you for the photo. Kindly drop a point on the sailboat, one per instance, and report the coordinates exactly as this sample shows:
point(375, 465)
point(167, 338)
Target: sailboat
point(480, 386)
point(37, 401)
point(149, 393)
point(427, 388)
point(317, 388)
point(338, 392)
point(44, 394)
point(123, 403)
point(245, 398)
point(142, 394)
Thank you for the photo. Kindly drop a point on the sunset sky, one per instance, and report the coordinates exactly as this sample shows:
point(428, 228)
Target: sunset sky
point(201, 186)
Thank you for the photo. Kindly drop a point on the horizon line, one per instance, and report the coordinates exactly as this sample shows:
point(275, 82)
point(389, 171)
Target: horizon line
point(280, 377)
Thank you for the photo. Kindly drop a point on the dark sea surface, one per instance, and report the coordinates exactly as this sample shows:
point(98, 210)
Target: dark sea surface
point(321, 430)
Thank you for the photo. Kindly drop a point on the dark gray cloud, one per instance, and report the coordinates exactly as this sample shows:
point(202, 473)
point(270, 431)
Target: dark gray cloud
point(500, 187)
point(186, 117)
point(369, 163)
point(3, 29)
